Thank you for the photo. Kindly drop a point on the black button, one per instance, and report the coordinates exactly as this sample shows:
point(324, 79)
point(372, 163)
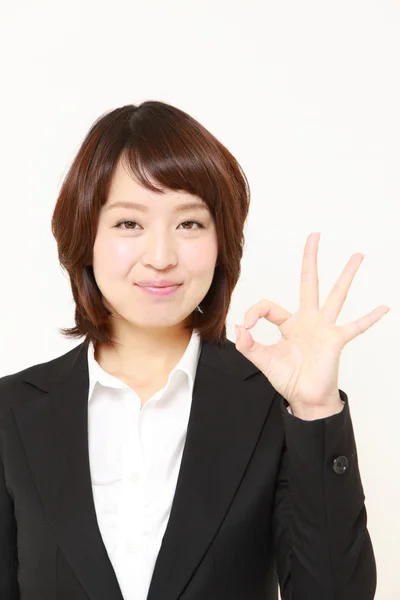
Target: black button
point(340, 465)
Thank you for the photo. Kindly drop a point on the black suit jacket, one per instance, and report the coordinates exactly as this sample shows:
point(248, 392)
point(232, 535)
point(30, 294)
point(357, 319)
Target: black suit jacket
point(258, 494)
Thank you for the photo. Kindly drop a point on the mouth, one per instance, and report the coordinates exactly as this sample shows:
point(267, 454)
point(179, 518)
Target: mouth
point(160, 291)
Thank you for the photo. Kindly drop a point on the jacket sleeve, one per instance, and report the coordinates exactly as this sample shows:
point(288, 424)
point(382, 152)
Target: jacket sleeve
point(322, 545)
point(9, 589)
point(8, 544)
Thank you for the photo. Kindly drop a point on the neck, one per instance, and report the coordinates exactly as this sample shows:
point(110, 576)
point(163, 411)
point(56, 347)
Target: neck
point(143, 353)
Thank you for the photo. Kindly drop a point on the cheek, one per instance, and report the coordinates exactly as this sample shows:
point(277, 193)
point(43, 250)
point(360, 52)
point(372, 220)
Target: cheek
point(200, 258)
point(114, 255)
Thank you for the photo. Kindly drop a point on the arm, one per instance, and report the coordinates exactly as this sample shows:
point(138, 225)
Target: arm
point(322, 545)
point(8, 544)
point(9, 589)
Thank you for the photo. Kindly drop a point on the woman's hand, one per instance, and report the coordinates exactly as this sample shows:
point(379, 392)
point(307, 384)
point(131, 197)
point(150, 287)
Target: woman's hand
point(304, 365)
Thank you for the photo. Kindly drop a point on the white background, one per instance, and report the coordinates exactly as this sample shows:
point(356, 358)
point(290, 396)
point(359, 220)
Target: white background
point(305, 94)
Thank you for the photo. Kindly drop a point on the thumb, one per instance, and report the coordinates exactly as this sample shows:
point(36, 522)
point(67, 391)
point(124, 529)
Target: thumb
point(252, 350)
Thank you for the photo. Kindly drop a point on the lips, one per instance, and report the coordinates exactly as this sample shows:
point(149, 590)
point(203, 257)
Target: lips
point(160, 290)
point(158, 284)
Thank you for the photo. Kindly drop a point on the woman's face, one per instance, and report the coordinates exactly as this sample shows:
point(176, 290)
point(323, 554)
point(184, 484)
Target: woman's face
point(159, 241)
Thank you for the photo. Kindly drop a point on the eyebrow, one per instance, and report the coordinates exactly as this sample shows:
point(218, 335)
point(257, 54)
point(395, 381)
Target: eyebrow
point(142, 207)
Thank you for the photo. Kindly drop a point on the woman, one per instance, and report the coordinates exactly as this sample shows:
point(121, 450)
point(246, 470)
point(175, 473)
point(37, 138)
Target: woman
point(158, 459)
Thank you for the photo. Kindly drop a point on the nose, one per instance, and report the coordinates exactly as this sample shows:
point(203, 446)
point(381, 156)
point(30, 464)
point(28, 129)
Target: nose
point(159, 251)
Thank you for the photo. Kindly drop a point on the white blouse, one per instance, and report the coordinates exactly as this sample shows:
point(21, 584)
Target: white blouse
point(135, 455)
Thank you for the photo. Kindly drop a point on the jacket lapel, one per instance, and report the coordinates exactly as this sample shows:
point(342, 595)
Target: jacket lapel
point(228, 411)
point(53, 428)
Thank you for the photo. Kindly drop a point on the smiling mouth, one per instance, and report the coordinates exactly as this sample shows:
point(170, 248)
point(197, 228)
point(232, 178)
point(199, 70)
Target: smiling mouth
point(160, 291)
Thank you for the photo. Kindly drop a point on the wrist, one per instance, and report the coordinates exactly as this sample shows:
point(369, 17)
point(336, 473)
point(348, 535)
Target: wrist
point(311, 413)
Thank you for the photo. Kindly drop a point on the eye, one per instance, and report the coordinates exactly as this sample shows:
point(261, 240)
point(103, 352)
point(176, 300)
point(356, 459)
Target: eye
point(200, 226)
point(123, 222)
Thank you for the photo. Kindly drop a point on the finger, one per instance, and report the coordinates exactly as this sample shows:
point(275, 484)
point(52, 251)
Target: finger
point(267, 310)
point(352, 330)
point(309, 284)
point(246, 342)
point(337, 297)
point(251, 349)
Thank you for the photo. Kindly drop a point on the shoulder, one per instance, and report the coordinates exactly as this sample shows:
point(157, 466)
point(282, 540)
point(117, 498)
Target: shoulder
point(14, 385)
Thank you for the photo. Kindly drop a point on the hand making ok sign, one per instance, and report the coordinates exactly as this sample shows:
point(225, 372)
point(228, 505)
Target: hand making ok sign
point(304, 365)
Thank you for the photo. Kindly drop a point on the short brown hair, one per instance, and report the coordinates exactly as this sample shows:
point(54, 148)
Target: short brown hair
point(178, 153)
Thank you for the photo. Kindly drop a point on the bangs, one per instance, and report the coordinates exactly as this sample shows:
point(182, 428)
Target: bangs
point(170, 152)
